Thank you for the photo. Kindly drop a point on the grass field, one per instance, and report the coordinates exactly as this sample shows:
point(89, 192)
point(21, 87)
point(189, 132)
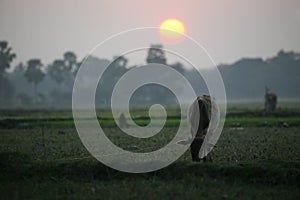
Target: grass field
point(42, 157)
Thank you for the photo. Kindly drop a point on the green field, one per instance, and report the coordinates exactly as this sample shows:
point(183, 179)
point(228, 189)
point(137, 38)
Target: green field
point(63, 118)
point(42, 157)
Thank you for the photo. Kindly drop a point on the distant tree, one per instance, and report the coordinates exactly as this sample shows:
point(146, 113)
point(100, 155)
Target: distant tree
point(57, 71)
point(178, 67)
point(34, 74)
point(156, 54)
point(7, 92)
point(116, 69)
point(24, 100)
point(63, 70)
point(70, 60)
point(77, 68)
point(6, 88)
point(120, 61)
point(6, 57)
point(19, 69)
point(153, 93)
point(118, 66)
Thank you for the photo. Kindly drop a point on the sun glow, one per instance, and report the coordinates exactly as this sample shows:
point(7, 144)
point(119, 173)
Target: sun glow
point(172, 31)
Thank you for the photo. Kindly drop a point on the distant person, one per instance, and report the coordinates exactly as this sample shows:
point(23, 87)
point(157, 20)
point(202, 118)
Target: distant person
point(270, 100)
point(123, 121)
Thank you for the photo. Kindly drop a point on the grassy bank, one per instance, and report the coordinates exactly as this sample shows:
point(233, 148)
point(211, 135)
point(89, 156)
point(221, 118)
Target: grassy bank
point(23, 178)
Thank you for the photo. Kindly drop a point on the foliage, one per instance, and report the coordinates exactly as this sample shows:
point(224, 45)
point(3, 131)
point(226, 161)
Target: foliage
point(6, 57)
point(6, 87)
point(70, 60)
point(58, 78)
point(7, 92)
point(156, 54)
point(61, 70)
point(34, 71)
point(34, 74)
point(250, 163)
point(57, 71)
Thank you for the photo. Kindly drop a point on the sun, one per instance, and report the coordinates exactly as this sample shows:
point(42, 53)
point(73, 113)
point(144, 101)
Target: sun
point(172, 31)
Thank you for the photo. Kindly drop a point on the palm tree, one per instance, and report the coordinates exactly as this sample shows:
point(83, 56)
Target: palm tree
point(62, 70)
point(34, 74)
point(6, 57)
point(56, 71)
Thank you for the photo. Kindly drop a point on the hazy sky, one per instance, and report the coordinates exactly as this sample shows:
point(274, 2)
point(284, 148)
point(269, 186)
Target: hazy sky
point(228, 29)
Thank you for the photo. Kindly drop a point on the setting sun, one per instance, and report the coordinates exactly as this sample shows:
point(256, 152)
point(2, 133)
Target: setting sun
point(172, 31)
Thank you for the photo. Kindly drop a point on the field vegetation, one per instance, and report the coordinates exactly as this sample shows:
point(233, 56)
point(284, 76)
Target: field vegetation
point(42, 157)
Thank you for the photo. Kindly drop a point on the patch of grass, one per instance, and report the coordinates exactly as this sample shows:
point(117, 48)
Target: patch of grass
point(181, 180)
point(235, 144)
point(262, 121)
point(143, 121)
point(42, 157)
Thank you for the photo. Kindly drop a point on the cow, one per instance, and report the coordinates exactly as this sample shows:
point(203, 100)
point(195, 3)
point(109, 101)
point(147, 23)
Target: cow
point(200, 120)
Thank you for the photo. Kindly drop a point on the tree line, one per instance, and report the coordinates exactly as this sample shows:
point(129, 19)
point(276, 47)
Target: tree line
point(34, 84)
point(38, 85)
point(34, 72)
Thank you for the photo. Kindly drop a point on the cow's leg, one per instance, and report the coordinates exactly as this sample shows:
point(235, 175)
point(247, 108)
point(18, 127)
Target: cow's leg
point(195, 148)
